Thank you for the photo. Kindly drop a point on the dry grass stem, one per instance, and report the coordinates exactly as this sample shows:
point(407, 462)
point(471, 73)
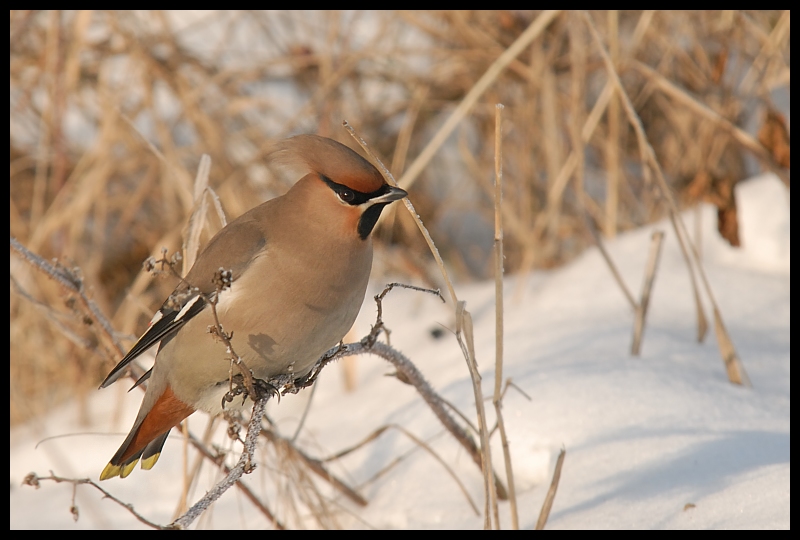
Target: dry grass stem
point(465, 340)
point(417, 441)
point(733, 365)
point(498, 308)
point(612, 149)
point(192, 472)
point(647, 287)
point(410, 207)
point(609, 261)
point(315, 466)
point(767, 54)
point(544, 513)
point(191, 245)
point(532, 32)
point(742, 137)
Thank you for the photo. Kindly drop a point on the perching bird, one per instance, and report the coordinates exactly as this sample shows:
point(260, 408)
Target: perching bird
point(300, 265)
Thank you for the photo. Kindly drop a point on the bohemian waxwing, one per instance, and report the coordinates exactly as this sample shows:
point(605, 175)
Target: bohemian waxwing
point(300, 265)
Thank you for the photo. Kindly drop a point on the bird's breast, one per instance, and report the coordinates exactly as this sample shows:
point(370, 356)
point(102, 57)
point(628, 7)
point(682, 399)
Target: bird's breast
point(288, 309)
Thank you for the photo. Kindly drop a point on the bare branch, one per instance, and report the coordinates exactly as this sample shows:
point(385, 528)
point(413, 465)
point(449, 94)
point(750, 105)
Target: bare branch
point(244, 465)
point(71, 282)
point(32, 479)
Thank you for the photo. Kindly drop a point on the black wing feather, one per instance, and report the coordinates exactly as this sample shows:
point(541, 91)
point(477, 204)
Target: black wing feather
point(164, 327)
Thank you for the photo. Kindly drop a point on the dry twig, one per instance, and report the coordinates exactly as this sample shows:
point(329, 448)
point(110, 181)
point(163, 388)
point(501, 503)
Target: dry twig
point(551, 493)
point(498, 307)
point(32, 479)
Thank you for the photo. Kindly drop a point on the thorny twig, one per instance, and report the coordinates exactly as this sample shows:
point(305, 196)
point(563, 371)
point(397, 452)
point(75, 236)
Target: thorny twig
point(408, 373)
point(379, 327)
point(32, 479)
point(244, 465)
point(71, 281)
point(219, 461)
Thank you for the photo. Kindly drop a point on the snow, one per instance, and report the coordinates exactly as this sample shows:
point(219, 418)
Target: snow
point(660, 441)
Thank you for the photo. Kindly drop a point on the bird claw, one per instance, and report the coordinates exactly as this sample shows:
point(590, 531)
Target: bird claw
point(265, 389)
point(262, 388)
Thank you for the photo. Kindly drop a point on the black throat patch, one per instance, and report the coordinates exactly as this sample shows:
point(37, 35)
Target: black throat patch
point(368, 219)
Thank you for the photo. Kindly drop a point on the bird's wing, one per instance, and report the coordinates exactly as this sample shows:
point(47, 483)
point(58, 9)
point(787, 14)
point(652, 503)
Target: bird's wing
point(233, 248)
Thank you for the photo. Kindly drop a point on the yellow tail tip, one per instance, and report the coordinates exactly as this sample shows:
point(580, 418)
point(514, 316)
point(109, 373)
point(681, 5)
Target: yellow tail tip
point(120, 470)
point(128, 468)
point(110, 471)
point(148, 463)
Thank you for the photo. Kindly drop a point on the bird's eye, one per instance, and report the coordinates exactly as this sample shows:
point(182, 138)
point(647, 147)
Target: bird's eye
point(347, 196)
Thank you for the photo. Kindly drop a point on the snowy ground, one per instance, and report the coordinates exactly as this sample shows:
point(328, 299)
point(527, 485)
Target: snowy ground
point(654, 442)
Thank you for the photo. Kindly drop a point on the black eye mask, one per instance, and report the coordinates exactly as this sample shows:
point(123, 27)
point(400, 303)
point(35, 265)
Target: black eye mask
point(351, 196)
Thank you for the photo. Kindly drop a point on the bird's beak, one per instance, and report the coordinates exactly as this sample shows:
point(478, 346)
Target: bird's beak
point(392, 194)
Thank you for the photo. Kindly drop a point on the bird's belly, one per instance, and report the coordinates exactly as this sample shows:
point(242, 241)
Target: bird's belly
point(283, 332)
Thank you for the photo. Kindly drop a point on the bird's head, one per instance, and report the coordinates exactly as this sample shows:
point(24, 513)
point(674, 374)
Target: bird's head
point(338, 184)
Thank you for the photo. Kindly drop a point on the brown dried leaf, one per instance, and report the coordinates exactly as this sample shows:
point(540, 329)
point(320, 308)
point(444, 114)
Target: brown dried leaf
point(775, 137)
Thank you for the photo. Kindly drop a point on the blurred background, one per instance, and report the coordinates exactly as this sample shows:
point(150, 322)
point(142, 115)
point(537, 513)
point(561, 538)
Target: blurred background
point(111, 111)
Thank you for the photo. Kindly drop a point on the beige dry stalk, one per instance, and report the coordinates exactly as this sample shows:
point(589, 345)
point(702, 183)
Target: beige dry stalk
point(464, 328)
point(498, 310)
point(544, 513)
point(733, 365)
point(647, 287)
point(477, 90)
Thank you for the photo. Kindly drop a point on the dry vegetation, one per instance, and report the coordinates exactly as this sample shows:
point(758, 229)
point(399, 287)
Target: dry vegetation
point(110, 112)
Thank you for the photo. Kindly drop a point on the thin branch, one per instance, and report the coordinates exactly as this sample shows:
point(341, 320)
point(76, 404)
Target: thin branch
point(511, 384)
point(70, 281)
point(419, 442)
point(32, 479)
point(244, 465)
point(410, 207)
point(218, 461)
point(306, 410)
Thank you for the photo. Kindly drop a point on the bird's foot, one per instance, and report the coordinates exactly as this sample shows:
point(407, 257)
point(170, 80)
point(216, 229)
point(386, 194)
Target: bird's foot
point(265, 390)
point(237, 388)
point(262, 389)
